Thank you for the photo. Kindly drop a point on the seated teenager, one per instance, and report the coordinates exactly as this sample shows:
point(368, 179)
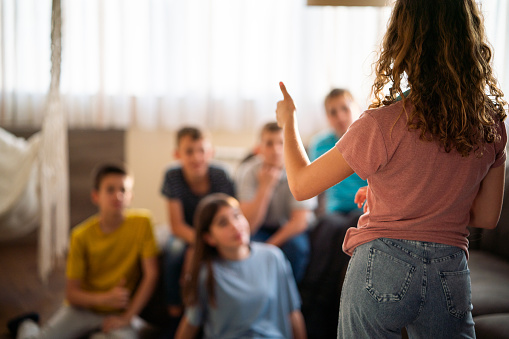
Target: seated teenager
point(111, 268)
point(184, 186)
point(275, 217)
point(237, 289)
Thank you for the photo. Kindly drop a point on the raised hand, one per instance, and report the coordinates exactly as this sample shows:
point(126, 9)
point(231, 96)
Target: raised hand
point(285, 108)
point(269, 176)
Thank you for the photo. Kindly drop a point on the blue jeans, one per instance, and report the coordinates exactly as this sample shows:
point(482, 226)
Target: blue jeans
point(391, 284)
point(296, 249)
point(173, 259)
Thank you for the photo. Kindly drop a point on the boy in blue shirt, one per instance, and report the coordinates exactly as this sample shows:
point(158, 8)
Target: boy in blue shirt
point(339, 107)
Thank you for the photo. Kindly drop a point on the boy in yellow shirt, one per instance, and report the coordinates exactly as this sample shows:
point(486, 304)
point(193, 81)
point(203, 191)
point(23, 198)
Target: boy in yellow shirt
point(111, 268)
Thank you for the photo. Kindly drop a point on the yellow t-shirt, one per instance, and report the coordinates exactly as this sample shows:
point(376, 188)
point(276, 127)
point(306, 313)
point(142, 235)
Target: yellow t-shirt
point(101, 261)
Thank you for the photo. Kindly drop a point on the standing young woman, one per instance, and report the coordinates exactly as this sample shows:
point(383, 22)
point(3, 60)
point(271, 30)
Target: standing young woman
point(434, 162)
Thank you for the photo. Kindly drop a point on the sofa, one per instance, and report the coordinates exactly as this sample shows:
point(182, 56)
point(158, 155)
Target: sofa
point(489, 274)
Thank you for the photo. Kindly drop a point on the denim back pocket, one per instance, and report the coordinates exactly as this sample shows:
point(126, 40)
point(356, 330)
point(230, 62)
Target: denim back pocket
point(456, 286)
point(388, 277)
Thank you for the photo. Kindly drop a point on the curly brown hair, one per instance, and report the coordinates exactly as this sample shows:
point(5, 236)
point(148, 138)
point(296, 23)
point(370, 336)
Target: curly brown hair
point(440, 48)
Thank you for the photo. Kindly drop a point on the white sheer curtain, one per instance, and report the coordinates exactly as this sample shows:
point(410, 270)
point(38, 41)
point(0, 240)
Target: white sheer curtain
point(25, 62)
point(212, 63)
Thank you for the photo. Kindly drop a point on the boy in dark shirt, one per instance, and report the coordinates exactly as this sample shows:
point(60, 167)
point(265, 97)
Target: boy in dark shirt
point(184, 186)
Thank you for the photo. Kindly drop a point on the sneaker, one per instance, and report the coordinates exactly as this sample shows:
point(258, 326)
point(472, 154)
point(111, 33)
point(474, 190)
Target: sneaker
point(14, 323)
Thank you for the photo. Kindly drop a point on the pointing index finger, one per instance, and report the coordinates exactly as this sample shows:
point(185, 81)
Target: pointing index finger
point(284, 91)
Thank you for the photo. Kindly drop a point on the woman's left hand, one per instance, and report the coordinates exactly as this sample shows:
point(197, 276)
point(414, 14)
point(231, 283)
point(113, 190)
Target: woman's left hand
point(285, 108)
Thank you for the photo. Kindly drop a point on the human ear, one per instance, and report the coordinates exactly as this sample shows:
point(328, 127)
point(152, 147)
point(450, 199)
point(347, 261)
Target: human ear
point(94, 196)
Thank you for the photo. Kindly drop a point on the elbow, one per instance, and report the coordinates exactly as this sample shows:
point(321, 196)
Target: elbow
point(299, 193)
point(486, 223)
point(300, 196)
point(69, 296)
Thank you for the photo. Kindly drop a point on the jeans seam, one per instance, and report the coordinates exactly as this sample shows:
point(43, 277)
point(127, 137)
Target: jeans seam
point(391, 243)
point(448, 257)
point(424, 289)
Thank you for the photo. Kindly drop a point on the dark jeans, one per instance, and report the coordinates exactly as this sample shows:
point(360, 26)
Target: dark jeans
point(173, 259)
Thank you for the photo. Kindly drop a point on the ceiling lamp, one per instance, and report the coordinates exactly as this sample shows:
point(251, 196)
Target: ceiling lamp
point(377, 3)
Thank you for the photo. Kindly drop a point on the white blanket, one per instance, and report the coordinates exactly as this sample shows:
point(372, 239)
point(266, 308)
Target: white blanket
point(19, 198)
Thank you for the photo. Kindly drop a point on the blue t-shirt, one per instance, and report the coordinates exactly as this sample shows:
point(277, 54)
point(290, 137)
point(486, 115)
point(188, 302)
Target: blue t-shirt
point(339, 198)
point(254, 297)
point(176, 187)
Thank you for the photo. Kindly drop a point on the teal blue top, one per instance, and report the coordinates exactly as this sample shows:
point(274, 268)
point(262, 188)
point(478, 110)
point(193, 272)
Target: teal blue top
point(339, 198)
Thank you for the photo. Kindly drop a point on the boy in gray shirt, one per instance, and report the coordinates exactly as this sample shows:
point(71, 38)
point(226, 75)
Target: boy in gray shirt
point(273, 213)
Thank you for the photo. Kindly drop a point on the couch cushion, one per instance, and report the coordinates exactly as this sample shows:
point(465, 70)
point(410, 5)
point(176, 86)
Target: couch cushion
point(490, 283)
point(494, 326)
point(496, 240)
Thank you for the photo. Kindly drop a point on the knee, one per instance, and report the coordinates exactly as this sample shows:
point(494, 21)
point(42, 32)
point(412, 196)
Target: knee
point(174, 249)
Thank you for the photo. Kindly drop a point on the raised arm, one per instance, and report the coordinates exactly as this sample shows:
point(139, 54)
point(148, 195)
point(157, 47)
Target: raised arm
point(485, 210)
point(306, 179)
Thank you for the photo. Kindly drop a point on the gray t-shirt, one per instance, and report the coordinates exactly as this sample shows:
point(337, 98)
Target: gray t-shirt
point(282, 203)
point(254, 297)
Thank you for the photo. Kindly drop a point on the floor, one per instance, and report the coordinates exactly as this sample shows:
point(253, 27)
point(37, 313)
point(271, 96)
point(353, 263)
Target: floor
point(21, 290)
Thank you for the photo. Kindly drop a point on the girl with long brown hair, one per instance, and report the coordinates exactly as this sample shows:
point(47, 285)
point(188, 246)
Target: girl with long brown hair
point(237, 289)
point(433, 152)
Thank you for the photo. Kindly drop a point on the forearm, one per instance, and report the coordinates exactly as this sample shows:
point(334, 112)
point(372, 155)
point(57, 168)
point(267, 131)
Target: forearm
point(142, 295)
point(185, 330)
point(178, 225)
point(298, 325)
point(295, 155)
point(287, 231)
point(486, 207)
point(184, 232)
point(80, 298)
point(256, 209)
point(306, 179)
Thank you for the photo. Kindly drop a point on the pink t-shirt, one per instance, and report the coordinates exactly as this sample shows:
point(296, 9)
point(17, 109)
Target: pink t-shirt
point(417, 191)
